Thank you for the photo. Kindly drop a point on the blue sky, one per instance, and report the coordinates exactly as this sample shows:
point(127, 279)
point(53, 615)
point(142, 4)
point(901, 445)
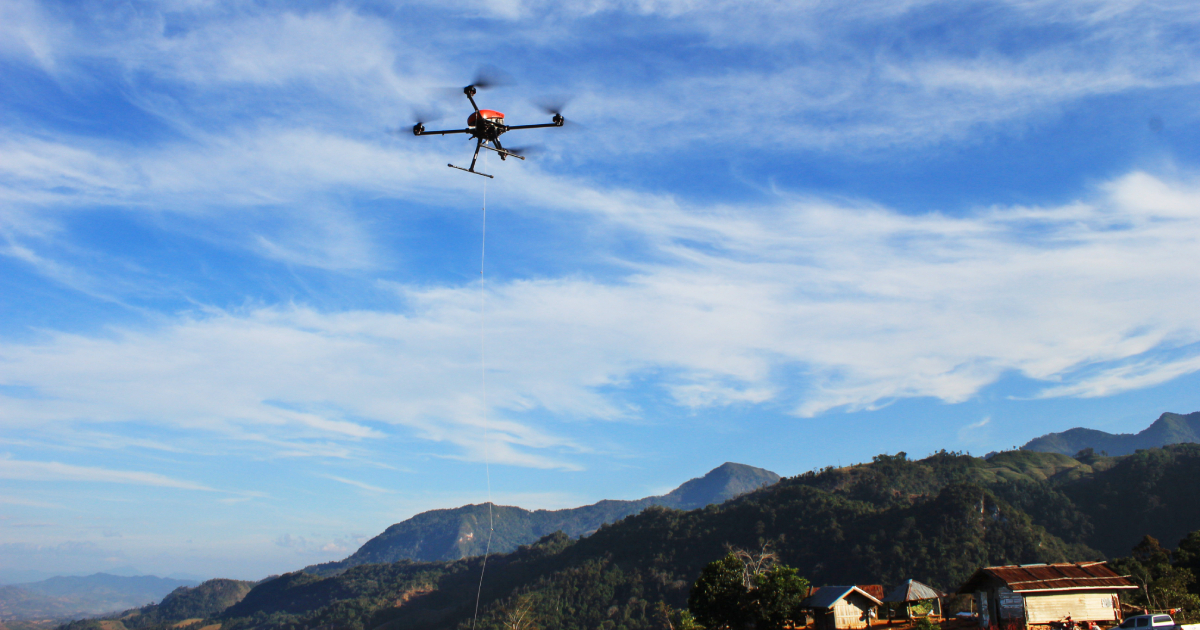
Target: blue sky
point(240, 323)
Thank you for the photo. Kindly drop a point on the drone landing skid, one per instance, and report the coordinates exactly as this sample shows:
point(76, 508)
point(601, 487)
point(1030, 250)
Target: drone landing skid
point(470, 170)
point(503, 152)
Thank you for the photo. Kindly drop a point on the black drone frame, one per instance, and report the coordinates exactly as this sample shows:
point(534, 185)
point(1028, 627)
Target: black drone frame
point(485, 132)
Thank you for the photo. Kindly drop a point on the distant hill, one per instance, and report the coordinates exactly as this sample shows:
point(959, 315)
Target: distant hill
point(456, 533)
point(183, 604)
point(76, 596)
point(1170, 428)
point(18, 604)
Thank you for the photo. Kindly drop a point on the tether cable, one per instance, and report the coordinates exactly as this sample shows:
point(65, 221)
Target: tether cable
point(487, 466)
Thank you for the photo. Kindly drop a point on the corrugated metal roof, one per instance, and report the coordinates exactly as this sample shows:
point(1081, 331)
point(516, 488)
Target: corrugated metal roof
point(912, 591)
point(827, 596)
point(874, 590)
point(1033, 578)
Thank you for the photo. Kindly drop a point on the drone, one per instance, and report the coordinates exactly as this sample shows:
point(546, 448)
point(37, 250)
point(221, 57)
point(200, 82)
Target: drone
point(486, 126)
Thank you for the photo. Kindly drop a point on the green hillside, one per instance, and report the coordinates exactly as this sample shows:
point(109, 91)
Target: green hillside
point(462, 532)
point(628, 569)
point(184, 603)
point(1154, 491)
point(884, 521)
point(935, 520)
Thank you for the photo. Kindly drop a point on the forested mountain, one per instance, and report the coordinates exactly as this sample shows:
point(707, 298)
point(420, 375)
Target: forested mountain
point(462, 532)
point(935, 520)
point(1170, 428)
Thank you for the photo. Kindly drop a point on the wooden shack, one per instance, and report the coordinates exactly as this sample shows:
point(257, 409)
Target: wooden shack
point(841, 607)
point(1037, 594)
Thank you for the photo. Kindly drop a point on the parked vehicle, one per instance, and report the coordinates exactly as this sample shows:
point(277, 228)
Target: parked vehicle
point(1155, 622)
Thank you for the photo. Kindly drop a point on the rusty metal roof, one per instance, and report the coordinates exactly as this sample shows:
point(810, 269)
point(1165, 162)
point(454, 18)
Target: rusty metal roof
point(1066, 576)
point(874, 590)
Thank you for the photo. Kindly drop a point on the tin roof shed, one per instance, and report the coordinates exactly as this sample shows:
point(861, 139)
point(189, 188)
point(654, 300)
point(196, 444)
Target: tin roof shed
point(912, 591)
point(1041, 578)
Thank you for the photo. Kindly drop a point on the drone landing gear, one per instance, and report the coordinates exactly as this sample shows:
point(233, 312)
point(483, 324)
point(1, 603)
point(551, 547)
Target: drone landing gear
point(471, 170)
point(478, 143)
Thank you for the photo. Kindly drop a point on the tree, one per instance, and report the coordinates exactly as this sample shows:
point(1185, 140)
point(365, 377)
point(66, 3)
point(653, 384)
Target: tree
point(518, 615)
point(743, 587)
point(1163, 586)
point(718, 598)
point(754, 564)
point(776, 598)
point(1187, 556)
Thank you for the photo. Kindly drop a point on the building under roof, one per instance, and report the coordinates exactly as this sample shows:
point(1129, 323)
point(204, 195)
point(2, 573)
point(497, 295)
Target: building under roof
point(841, 607)
point(913, 591)
point(1041, 593)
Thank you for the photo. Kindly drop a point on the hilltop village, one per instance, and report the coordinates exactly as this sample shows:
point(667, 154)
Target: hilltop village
point(1060, 596)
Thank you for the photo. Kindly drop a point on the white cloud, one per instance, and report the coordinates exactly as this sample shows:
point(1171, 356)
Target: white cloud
point(360, 485)
point(975, 432)
point(56, 471)
point(26, 32)
point(11, 500)
point(866, 304)
point(1136, 375)
point(810, 81)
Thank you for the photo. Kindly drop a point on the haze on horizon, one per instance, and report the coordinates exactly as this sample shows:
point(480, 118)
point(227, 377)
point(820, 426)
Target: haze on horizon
point(240, 325)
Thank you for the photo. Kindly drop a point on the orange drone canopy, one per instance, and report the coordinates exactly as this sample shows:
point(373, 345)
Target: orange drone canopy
point(488, 114)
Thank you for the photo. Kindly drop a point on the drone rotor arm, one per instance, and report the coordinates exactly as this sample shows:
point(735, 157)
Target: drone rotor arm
point(470, 92)
point(532, 126)
point(443, 132)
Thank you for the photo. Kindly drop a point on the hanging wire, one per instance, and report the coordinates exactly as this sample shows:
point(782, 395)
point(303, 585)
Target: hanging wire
point(487, 466)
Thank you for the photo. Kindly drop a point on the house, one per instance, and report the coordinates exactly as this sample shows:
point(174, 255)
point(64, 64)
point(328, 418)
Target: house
point(842, 607)
point(1037, 594)
point(912, 591)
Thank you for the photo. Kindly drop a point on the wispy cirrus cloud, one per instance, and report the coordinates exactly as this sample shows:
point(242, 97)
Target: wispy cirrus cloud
point(864, 304)
point(360, 485)
point(230, 255)
point(56, 471)
point(356, 71)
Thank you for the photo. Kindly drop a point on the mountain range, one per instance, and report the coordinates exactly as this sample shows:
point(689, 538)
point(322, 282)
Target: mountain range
point(1170, 428)
point(935, 520)
point(79, 596)
point(461, 532)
